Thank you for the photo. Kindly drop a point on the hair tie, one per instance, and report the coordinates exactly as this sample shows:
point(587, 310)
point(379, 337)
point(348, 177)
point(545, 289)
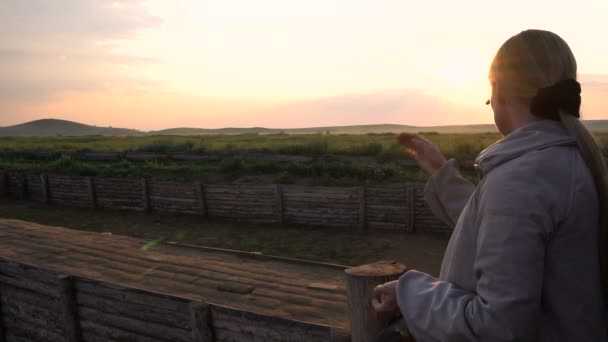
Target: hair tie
point(565, 95)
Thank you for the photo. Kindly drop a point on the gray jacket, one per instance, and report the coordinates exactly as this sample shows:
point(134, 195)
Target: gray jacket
point(522, 263)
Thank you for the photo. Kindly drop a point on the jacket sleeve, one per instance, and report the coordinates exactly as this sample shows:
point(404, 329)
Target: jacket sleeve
point(447, 192)
point(509, 262)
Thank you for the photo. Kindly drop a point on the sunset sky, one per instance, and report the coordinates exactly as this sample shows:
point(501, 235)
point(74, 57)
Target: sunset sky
point(275, 63)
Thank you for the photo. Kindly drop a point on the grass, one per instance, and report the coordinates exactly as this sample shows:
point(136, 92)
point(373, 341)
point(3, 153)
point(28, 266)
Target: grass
point(325, 169)
point(323, 244)
point(457, 145)
point(319, 172)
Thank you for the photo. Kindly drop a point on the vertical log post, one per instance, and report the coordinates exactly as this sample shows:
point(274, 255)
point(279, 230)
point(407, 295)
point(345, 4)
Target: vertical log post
point(200, 321)
point(360, 284)
point(410, 194)
point(3, 184)
point(24, 194)
point(91, 190)
point(199, 189)
point(145, 189)
point(67, 300)
point(44, 186)
point(279, 201)
point(362, 209)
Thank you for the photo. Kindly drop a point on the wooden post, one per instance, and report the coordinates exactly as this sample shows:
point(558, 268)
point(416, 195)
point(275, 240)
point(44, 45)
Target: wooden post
point(3, 184)
point(410, 194)
point(67, 300)
point(91, 189)
point(360, 284)
point(199, 188)
point(279, 200)
point(24, 194)
point(362, 210)
point(44, 186)
point(200, 321)
point(145, 194)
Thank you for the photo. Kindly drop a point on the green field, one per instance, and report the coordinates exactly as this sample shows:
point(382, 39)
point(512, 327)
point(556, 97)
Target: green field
point(329, 167)
point(461, 145)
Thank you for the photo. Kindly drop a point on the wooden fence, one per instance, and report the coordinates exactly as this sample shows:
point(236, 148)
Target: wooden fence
point(38, 304)
point(399, 207)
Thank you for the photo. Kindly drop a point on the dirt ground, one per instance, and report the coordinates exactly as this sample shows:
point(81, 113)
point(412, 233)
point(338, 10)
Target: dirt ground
point(332, 245)
point(296, 290)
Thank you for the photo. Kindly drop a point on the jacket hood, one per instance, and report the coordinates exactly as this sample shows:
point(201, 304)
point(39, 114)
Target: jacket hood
point(532, 137)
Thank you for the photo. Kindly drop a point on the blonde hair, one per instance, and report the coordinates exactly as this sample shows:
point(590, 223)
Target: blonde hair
point(536, 59)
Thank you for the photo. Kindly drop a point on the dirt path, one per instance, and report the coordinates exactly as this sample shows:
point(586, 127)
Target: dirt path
point(302, 291)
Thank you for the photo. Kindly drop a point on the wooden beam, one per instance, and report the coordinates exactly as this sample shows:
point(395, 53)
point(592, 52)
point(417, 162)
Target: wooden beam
point(91, 190)
point(360, 284)
point(67, 300)
point(200, 321)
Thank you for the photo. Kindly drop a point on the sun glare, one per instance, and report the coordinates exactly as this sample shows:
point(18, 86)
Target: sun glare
point(460, 70)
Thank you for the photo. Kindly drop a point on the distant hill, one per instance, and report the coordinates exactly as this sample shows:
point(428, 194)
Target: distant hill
point(54, 127)
point(358, 129)
point(597, 125)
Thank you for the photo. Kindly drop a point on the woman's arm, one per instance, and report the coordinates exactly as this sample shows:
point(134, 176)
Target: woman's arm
point(447, 193)
point(509, 262)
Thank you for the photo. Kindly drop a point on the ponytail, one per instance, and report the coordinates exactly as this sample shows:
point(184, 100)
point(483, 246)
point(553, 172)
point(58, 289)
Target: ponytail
point(596, 162)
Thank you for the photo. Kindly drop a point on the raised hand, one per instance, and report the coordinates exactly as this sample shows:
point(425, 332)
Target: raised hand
point(423, 151)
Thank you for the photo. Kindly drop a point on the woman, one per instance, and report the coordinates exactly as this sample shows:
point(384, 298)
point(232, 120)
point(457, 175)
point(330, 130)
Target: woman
point(527, 258)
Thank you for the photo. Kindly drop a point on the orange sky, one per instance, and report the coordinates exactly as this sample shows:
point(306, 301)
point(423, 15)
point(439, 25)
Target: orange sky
point(274, 63)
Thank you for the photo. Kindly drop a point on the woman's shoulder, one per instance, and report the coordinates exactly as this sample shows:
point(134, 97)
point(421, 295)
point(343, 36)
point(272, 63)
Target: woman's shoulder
point(541, 178)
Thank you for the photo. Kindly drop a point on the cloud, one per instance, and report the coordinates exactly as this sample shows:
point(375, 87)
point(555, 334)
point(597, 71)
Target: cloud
point(51, 47)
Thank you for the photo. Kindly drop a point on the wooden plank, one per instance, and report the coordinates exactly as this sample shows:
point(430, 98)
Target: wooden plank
point(147, 313)
point(200, 320)
point(42, 317)
point(136, 326)
point(237, 325)
point(279, 203)
point(94, 331)
point(131, 295)
point(145, 194)
point(90, 181)
point(69, 309)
